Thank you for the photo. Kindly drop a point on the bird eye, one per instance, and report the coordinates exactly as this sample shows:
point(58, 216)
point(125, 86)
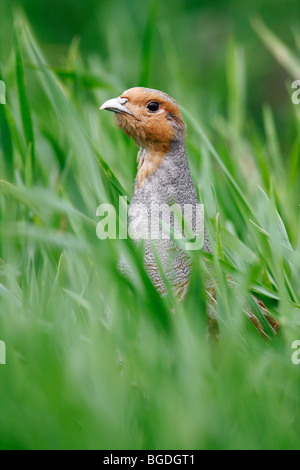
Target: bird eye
point(153, 106)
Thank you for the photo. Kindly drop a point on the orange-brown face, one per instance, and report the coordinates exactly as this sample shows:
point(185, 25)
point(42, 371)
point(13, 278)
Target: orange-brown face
point(150, 117)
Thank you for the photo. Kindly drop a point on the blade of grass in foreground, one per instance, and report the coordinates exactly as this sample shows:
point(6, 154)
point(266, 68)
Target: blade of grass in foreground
point(280, 51)
point(45, 236)
point(217, 157)
point(69, 117)
point(40, 199)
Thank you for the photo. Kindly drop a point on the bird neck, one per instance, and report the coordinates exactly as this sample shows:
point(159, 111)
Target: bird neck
point(150, 159)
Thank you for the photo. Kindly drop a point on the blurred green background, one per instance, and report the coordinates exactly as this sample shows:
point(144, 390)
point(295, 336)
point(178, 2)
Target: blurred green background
point(97, 361)
point(117, 34)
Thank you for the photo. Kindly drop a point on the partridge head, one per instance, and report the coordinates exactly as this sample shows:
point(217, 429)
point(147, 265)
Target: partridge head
point(153, 120)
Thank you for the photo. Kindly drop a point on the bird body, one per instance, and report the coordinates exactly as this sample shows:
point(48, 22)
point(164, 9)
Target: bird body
point(171, 183)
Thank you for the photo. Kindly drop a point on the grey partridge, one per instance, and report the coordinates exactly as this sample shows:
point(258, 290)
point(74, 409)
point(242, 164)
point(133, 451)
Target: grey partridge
point(153, 119)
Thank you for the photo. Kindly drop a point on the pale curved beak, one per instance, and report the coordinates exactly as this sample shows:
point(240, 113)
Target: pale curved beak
point(116, 105)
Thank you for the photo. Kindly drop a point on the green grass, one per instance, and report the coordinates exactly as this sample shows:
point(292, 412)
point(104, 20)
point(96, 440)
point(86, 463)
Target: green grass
point(98, 361)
